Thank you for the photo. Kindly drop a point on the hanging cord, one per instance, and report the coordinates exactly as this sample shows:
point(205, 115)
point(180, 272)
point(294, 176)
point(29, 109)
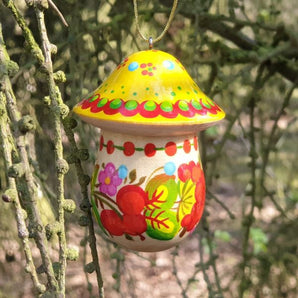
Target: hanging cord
point(150, 39)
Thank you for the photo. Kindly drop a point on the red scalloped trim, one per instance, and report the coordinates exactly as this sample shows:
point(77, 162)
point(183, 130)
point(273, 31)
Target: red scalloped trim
point(190, 113)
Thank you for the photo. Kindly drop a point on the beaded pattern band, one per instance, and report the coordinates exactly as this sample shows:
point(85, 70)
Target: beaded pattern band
point(149, 149)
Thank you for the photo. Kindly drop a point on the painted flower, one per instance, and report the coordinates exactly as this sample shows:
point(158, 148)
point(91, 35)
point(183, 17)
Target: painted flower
point(112, 222)
point(131, 199)
point(147, 69)
point(117, 225)
point(184, 172)
point(200, 190)
point(109, 180)
point(190, 221)
point(192, 191)
point(190, 171)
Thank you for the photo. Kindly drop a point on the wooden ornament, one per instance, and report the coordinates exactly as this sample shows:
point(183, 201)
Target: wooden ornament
point(148, 188)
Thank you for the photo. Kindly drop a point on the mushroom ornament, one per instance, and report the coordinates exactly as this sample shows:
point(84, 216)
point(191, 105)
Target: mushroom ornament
point(148, 187)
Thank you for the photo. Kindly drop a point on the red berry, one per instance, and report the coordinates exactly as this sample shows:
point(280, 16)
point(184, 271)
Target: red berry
point(131, 199)
point(112, 222)
point(134, 224)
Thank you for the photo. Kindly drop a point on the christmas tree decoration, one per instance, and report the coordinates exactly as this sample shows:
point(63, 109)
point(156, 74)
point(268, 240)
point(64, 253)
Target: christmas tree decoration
point(148, 188)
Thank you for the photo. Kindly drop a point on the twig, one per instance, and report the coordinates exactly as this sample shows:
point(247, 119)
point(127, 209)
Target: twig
point(117, 275)
point(270, 144)
point(203, 268)
point(175, 273)
point(213, 196)
point(53, 5)
point(58, 110)
point(34, 47)
point(249, 217)
point(84, 180)
point(89, 285)
point(212, 257)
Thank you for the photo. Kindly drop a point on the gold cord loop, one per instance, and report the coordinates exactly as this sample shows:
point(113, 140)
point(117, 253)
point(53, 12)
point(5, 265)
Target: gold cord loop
point(150, 40)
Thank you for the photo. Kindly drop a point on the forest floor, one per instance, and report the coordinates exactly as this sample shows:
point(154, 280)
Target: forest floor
point(143, 274)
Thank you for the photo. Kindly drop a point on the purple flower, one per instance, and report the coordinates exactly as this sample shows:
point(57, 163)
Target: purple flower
point(109, 180)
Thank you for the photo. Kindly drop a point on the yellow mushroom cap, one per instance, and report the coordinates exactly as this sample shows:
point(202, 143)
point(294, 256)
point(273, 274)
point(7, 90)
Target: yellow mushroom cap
point(149, 93)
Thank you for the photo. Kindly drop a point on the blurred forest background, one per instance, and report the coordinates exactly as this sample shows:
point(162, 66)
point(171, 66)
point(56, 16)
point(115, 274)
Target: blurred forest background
point(243, 54)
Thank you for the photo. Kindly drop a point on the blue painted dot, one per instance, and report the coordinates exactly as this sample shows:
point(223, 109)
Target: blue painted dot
point(133, 66)
point(122, 172)
point(169, 168)
point(168, 64)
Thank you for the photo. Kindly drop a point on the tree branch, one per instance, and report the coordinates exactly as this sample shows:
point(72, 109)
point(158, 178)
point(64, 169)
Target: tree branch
point(217, 24)
point(29, 190)
point(11, 194)
point(58, 111)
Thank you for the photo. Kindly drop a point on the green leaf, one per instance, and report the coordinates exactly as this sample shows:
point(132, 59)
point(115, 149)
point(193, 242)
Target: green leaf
point(207, 246)
point(222, 235)
point(212, 131)
point(141, 181)
point(259, 239)
point(94, 177)
point(132, 175)
point(97, 216)
point(161, 224)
